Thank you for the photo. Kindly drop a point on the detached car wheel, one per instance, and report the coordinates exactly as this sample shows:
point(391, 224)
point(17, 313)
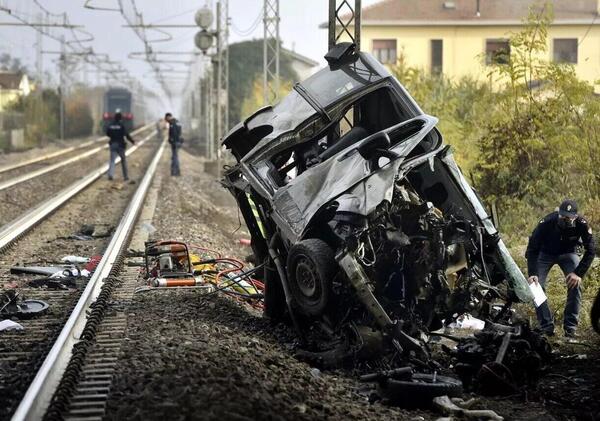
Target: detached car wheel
point(310, 266)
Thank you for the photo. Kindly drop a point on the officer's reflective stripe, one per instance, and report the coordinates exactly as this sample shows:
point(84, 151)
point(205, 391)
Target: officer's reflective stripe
point(256, 216)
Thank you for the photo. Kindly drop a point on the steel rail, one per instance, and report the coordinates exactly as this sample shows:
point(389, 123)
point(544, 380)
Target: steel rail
point(41, 171)
point(49, 156)
point(14, 229)
point(37, 398)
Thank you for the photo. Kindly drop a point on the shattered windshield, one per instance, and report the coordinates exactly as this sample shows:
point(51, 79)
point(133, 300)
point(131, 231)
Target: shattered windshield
point(328, 85)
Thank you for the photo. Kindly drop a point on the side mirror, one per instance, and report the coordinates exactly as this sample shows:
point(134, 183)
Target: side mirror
point(372, 145)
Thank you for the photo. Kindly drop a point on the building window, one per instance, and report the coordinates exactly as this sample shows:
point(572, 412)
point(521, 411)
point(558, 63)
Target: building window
point(437, 56)
point(497, 51)
point(384, 50)
point(565, 50)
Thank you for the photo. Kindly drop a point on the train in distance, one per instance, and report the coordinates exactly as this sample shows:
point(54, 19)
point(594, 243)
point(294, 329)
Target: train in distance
point(118, 100)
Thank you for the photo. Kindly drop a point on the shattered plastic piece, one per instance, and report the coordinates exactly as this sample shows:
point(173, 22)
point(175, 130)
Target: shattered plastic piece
point(469, 322)
point(148, 228)
point(71, 272)
point(93, 263)
point(75, 259)
point(10, 325)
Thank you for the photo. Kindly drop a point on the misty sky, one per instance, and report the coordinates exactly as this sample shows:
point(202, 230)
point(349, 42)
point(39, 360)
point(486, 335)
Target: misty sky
point(299, 30)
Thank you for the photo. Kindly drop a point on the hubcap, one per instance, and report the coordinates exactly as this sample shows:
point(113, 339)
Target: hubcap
point(306, 278)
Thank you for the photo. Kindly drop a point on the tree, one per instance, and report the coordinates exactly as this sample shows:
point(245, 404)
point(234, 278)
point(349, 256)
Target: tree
point(541, 134)
point(8, 62)
point(245, 67)
point(79, 120)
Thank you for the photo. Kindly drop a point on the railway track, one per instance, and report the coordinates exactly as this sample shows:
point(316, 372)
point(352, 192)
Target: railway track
point(13, 230)
point(22, 352)
point(60, 164)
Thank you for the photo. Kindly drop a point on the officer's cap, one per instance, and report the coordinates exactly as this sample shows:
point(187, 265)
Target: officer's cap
point(568, 208)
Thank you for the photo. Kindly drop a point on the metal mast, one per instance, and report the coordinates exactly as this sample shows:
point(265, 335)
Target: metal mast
point(271, 45)
point(343, 17)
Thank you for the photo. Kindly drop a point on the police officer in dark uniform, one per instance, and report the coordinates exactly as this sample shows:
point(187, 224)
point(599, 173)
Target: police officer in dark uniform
point(117, 133)
point(554, 241)
point(175, 140)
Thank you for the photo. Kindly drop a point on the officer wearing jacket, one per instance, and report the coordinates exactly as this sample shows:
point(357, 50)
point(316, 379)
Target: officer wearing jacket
point(117, 134)
point(175, 140)
point(554, 242)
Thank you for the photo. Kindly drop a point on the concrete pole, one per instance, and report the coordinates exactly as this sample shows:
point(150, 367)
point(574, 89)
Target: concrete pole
point(62, 64)
point(207, 138)
point(38, 53)
point(218, 90)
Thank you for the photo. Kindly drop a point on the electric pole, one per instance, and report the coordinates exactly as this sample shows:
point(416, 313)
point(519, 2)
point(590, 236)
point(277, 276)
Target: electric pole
point(38, 54)
point(342, 17)
point(224, 68)
point(62, 63)
point(271, 46)
point(218, 65)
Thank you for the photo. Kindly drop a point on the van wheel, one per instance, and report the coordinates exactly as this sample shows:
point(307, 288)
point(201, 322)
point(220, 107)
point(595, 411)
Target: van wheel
point(310, 267)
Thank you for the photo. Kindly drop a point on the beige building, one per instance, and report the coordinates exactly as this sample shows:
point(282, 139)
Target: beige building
point(12, 86)
point(461, 37)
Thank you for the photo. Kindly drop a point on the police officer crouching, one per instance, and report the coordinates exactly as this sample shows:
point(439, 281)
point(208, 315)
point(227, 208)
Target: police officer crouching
point(554, 241)
point(117, 133)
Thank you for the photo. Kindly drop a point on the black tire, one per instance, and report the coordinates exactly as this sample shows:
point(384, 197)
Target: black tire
point(420, 390)
point(595, 313)
point(310, 267)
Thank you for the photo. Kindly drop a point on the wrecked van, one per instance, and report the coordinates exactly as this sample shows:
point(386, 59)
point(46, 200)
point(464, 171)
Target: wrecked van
point(369, 235)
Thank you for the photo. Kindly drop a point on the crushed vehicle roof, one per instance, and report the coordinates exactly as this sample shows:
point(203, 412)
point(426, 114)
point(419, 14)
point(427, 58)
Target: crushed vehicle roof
point(309, 108)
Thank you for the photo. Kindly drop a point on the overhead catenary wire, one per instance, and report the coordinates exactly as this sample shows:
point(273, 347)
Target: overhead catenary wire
point(61, 20)
point(251, 28)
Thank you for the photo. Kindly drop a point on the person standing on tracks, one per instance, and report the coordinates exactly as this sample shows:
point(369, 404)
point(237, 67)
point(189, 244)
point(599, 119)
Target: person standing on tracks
point(175, 140)
point(554, 241)
point(117, 134)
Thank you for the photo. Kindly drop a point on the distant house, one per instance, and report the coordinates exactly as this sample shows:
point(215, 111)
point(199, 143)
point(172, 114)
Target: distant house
point(302, 65)
point(462, 37)
point(12, 86)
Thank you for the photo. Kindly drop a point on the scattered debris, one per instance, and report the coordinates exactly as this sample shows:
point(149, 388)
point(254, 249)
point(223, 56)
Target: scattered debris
point(6, 325)
point(148, 228)
point(169, 263)
point(500, 359)
point(403, 387)
point(11, 305)
point(36, 270)
point(75, 259)
point(468, 322)
point(89, 232)
point(459, 408)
